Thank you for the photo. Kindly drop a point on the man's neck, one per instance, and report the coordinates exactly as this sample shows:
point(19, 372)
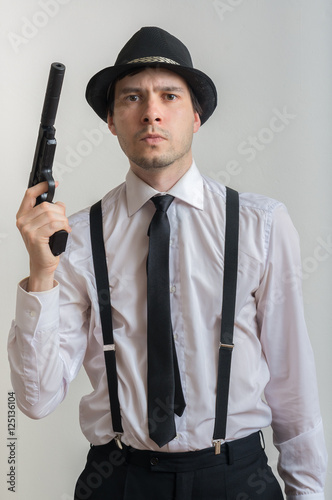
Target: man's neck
point(161, 179)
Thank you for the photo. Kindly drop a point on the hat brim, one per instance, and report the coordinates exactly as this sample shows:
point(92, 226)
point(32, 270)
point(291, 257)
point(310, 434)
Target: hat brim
point(202, 86)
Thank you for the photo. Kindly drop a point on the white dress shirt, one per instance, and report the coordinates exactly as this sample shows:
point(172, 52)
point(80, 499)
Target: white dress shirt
point(55, 332)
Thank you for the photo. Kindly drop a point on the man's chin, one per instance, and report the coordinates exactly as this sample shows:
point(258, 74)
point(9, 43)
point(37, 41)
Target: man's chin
point(155, 163)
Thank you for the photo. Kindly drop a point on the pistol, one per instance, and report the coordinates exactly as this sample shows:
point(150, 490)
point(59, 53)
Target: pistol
point(45, 149)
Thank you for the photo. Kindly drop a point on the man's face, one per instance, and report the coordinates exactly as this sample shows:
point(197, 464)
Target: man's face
point(154, 119)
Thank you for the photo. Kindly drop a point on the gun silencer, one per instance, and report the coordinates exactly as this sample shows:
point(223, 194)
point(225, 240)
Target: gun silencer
point(52, 95)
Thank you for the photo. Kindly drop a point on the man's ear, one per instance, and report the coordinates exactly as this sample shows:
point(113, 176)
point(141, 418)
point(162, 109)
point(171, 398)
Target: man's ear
point(110, 124)
point(197, 122)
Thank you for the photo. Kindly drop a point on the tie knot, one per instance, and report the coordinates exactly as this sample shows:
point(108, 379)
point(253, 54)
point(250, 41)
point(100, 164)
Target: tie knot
point(163, 202)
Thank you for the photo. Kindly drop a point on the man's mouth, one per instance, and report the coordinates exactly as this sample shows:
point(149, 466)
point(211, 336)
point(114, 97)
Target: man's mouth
point(153, 139)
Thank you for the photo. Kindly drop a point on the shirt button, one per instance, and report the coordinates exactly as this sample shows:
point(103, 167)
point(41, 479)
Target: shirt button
point(175, 336)
point(32, 314)
point(173, 289)
point(154, 461)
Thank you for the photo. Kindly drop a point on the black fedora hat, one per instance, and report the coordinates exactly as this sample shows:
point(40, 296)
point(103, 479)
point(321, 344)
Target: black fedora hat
point(152, 46)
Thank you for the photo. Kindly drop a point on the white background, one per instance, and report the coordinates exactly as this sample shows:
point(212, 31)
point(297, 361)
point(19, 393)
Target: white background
point(263, 56)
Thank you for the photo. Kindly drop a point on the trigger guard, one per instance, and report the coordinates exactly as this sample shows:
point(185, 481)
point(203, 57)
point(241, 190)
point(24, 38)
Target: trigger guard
point(51, 188)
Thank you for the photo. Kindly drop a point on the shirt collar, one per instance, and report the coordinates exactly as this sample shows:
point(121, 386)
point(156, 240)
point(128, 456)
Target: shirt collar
point(188, 189)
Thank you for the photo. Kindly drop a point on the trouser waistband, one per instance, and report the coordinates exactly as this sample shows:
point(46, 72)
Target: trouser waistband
point(192, 460)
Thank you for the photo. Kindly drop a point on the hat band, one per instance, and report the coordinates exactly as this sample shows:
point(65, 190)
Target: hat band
point(151, 59)
point(148, 59)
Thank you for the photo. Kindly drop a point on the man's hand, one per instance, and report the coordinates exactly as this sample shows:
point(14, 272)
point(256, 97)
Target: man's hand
point(36, 224)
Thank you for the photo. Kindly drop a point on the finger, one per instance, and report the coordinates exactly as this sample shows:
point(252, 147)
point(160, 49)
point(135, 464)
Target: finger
point(60, 204)
point(37, 231)
point(38, 189)
point(30, 197)
point(23, 217)
point(42, 216)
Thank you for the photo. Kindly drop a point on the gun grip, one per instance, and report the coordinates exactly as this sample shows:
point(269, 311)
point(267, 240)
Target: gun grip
point(58, 242)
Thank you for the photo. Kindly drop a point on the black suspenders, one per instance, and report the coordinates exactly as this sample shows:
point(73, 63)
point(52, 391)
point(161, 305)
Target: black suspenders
point(227, 320)
point(104, 300)
point(227, 317)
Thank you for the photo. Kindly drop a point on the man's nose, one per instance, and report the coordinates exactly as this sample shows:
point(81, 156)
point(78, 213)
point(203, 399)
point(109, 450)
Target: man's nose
point(152, 111)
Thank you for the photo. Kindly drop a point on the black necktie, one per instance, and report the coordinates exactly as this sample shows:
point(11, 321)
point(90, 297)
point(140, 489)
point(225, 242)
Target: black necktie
point(165, 396)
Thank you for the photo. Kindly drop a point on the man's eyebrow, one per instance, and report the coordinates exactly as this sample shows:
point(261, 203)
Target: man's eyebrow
point(172, 88)
point(130, 90)
point(164, 88)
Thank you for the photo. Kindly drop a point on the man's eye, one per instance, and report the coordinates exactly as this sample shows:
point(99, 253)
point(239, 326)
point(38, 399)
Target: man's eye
point(171, 97)
point(132, 98)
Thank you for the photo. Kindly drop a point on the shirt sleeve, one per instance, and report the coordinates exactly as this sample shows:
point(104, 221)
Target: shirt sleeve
point(46, 350)
point(292, 392)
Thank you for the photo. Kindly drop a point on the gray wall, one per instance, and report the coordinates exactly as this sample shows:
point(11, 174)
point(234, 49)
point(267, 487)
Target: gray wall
point(266, 58)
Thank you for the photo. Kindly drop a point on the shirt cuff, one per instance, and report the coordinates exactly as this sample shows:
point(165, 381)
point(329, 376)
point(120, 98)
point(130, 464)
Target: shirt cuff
point(303, 464)
point(29, 315)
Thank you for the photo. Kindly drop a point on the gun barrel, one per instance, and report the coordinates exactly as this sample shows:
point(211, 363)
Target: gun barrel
point(52, 95)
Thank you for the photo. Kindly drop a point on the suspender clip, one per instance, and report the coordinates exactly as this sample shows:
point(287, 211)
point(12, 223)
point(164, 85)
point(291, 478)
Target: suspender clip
point(109, 347)
point(117, 440)
point(217, 446)
point(228, 346)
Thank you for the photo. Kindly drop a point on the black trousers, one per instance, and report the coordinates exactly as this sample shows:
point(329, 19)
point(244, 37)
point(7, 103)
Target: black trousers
point(240, 472)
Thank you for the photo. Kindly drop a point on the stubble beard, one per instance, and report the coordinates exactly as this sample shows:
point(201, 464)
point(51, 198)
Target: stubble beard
point(157, 161)
point(154, 160)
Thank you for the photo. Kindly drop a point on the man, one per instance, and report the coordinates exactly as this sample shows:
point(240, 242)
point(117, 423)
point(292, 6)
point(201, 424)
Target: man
point(159, 439)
